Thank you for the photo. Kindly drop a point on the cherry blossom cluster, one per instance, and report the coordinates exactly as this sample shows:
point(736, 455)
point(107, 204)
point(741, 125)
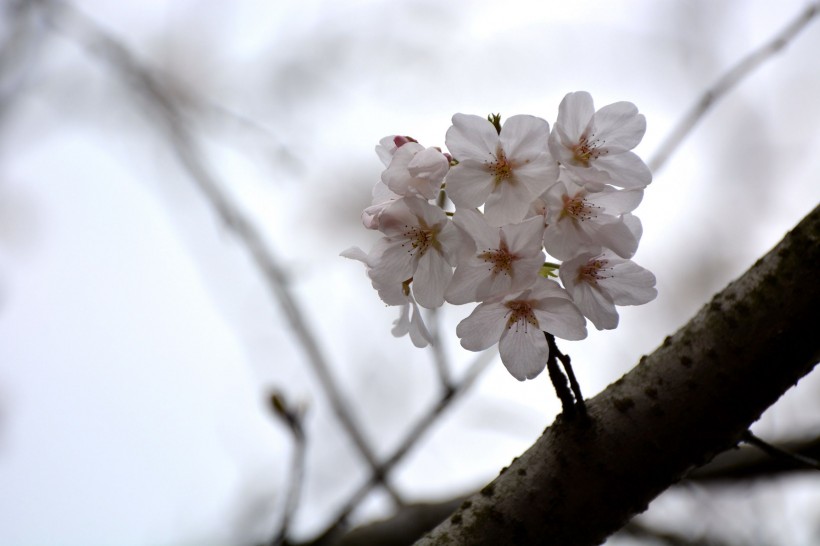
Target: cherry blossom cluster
point(476, 223)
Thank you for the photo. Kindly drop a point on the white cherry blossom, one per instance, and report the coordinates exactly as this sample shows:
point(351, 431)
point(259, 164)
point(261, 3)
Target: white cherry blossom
point(421, 244)
point(416, 171)
point(409, 320)
point(599, 282)
point(503, 171)
point(596, 145)
point(494, 260)
point(518, 322)
point(580, 220)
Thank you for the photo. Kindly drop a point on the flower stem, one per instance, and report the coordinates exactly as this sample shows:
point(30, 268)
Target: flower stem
point(572, 402)
point(559, 380)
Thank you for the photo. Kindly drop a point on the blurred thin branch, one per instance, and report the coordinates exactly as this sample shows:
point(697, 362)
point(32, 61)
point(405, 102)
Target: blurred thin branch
point(151, 87)
point(439, 355)
point(727, 81)
point(292, 418)
point(335, 531)
point(638, 530)
point(786, 456)
point(17, 50)
point(747, 462)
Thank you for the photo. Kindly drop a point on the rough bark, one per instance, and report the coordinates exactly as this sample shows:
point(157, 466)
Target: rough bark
point(692, 398)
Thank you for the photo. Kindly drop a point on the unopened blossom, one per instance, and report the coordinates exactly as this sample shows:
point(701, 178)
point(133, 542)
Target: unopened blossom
point(416, 171)
point(596, 145)
point(503, 171)
point(518, 322)
point(494, 260)
point(599, 282)
point(388, 145)
point(580, 220)
point(409, 320)
point(420, 243)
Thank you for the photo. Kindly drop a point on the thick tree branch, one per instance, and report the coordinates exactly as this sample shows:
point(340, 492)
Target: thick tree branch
point(694, 397)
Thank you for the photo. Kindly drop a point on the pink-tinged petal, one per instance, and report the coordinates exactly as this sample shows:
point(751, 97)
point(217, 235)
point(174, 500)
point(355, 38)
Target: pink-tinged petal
point(524, 138)
point(617, 237)
point(494, 285)
point(634, 225)
point(483, 327)
point(429, 164)
point(356, 253)
point(619, 126)
point(419, 334)
point(450, 242)
point(616, 201)
point(471, 137)
point(565, 238)
point(429, 215)
point(395, 218)
point(558, 143)
point(507, 204)
point(630, 284)
point(430, 280)
point(401, 326)
point(625, 170)
point(524, 239)
point(395, 266)
point(386, 148)
point(465, 283)
point(473, 222)
point(525, 272)
point(524, 351)
point(561, 318)
point(547, 288)
point(539, 174)
point(468, 184)
point(596, 306)
point(574, 114)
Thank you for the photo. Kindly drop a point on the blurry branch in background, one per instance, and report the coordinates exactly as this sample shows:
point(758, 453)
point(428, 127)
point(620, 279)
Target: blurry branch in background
point(439, 355)
point(292, 418)
point(784, 456)
point(641, 531)
point(749, 463)
point(17, 50)
point(155, 91)
point(336, 530)
point(727, 81)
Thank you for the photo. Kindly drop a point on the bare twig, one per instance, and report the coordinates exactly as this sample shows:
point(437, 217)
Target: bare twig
point(292, 418)
point(439, 355)
point(795, 459)
point(727, 81)
point(152, 88)
point(410, 439)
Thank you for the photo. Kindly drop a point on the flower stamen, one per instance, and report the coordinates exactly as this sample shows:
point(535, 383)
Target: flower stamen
point(587, 149)
point(520, 315)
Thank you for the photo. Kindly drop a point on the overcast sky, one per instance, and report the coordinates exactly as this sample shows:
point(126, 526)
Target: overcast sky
point(138, 341)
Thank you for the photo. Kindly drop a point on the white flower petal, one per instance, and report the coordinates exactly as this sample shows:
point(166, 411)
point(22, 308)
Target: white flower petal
point(625, 170)
point(630, 284)
point(483, 327)
point(620, 126)
point(596, 306)
point(561, 318)
point(574, 113)
point(431, 279)
point(509, 204)
point(524, 351)
point(468, 184)
point(471, 137)
point(524, 137)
